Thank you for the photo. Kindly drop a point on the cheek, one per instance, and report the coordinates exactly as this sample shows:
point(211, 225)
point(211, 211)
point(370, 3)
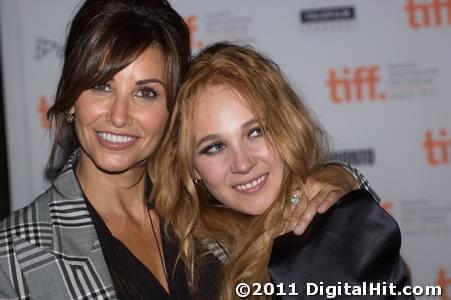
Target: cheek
point(274, 160)
point(86, 111)
point(153, 121)
point(211, 171)
point(272, 154)
point(268, 154)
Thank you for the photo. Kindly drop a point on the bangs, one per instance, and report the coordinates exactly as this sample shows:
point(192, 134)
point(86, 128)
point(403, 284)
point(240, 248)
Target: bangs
point(112, 49)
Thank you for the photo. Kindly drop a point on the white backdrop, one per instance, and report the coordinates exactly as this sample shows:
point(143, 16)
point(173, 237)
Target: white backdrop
point(377, 73)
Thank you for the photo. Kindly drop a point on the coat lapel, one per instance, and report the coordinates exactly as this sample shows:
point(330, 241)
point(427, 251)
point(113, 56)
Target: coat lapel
point(61, 246)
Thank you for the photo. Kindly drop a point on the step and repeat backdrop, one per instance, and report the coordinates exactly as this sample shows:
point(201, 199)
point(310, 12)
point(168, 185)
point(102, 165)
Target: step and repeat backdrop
point(376, 73)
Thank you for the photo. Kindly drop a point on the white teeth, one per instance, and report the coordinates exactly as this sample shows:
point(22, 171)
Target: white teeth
point(254, 183)
point(113, 138)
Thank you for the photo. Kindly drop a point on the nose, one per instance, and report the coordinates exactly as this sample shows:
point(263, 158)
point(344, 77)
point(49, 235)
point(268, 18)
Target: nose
point(119, 114)
point(242, 160)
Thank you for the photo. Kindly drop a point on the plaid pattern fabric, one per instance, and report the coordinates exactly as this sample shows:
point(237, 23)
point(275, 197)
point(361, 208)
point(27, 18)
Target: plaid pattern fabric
point(216, 249)
point(50, 249)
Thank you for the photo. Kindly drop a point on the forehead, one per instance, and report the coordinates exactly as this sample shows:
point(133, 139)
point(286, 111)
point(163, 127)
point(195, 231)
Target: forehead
point(112, 63)
point(151, 60)
point(218, 100)
point(220, 110)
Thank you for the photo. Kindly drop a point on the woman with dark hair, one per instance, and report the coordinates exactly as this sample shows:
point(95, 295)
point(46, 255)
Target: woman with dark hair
point(239, 149)
point(93, 233)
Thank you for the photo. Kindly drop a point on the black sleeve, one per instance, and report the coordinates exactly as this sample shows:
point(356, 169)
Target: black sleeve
point(356, 241)
point(210, 275)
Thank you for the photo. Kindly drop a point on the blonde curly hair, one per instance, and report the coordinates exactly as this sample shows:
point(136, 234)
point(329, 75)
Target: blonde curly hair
point(189, 209)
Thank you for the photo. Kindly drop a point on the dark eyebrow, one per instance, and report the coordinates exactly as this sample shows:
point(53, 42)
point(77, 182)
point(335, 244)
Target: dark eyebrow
point(215, 136)
point(145, 81)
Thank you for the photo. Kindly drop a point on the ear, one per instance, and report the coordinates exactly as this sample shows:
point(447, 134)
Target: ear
point(72, 109)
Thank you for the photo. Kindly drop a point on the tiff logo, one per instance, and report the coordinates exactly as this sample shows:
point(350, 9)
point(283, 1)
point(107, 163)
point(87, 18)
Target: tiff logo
point(42, 110)
point(437, 149)
point(192, 22)
point(443, 282)
point(424, 14)
point(387, 206)
point(354, 84)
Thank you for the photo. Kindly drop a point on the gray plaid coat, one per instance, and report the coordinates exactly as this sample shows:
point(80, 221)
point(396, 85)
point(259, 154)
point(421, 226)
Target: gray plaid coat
point(50, 249)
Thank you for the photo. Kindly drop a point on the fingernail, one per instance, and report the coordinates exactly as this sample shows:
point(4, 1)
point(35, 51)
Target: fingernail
point(299, 229)
point(322, 208)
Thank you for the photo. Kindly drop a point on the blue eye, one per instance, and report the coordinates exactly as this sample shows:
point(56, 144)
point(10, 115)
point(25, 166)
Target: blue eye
point(213, 149)
point(256, 132)
point(103, 87)
point(146, 93)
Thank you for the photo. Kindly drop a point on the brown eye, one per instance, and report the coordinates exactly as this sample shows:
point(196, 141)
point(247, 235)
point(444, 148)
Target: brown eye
point(146, 93)
point(103, 87)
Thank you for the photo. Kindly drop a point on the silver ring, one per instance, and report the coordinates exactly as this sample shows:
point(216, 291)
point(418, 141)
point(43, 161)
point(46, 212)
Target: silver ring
point(294, 199)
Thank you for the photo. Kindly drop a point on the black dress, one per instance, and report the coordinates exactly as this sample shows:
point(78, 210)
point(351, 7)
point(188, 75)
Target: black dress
point(133, 280)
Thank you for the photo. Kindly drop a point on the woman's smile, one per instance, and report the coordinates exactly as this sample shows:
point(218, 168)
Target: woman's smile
point(116, 142)
point(252, 186)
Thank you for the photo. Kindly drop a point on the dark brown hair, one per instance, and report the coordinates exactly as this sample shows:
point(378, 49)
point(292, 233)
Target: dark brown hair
point(105, 37)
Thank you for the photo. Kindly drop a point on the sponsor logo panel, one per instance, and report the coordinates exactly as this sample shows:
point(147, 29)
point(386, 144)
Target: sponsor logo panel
point(410, 80)
point(356, 157)
point(334, 18)
point(365, 83)
point(424, 216)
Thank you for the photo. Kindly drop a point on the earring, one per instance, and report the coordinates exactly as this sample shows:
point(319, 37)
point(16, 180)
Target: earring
point(69, 117)
point(198, 181)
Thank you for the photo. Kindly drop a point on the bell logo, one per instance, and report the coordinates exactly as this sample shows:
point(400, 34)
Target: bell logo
point(354, 85)
point(437, 149)
point(424, 14)
point(443, 282)
point(42, 110)
point(191, 21)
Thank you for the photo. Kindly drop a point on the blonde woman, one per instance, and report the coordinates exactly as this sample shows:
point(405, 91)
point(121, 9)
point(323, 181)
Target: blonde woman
point(240, 147)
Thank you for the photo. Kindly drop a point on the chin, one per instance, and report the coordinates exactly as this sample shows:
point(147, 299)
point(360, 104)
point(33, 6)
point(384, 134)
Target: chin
point(256, 210)
point(114, 166)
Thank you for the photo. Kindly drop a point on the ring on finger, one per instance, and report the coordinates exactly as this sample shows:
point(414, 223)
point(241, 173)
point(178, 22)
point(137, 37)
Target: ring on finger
point(294, 199)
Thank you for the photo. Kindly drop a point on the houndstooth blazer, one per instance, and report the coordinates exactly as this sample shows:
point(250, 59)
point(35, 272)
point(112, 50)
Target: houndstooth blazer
point(50, 249)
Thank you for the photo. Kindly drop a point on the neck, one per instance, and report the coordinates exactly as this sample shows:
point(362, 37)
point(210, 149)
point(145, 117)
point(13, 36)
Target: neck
point(113, 193)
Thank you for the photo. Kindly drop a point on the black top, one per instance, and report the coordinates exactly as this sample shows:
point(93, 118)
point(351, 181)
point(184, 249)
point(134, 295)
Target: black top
point(354, 242)
point(133, 280)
